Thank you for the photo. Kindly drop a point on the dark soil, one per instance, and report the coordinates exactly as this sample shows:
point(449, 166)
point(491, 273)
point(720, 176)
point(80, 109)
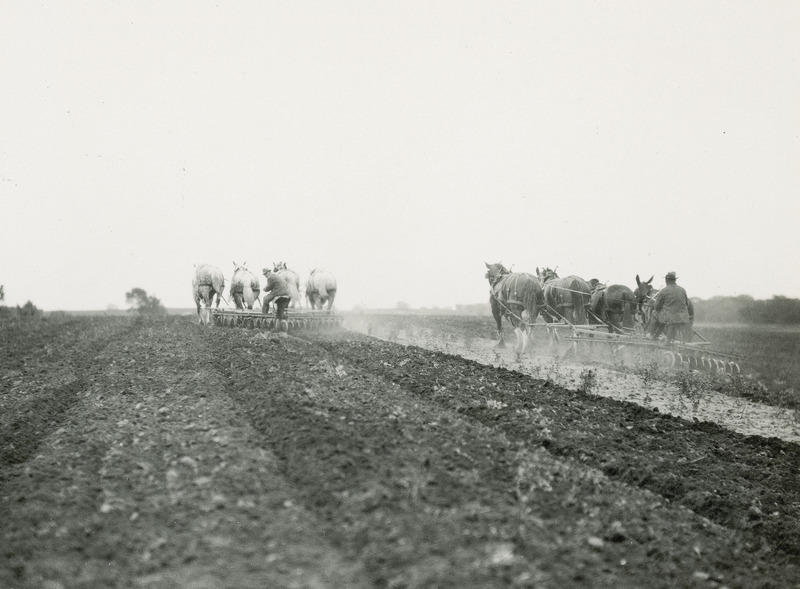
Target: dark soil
point(161, 454)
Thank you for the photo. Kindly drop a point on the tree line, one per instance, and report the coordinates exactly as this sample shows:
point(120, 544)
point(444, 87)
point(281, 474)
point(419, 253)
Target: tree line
point(779, 310)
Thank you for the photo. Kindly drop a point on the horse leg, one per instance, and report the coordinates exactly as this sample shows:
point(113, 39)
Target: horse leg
point(520, 343)
point(502, 342)
point(498, 319)
point(527, 343)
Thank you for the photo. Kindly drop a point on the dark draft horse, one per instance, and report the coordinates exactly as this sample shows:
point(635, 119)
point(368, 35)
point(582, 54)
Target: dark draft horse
point(644, 293)
point(614, 305)
point(512, 294)
point(566, 298)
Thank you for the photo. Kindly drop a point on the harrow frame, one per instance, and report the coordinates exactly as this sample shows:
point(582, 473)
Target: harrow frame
point(297, 319)
point(696, 355)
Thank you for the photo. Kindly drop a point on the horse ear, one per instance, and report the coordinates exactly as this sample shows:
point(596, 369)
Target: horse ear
point(537, 270)
point(651, 279)
point(638, 282)
point(487, 263)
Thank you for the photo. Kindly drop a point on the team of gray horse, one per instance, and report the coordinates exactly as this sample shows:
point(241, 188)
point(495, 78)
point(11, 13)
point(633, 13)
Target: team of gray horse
point(208, 285)
point(520, 297)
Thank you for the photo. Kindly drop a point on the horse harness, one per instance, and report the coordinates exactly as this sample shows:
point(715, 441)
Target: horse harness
point(506, 310)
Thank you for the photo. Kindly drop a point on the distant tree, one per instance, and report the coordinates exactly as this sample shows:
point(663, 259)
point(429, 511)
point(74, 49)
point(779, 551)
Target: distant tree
point(144, 304)
point(28, 310)
point(402, 305)
point(2, 293)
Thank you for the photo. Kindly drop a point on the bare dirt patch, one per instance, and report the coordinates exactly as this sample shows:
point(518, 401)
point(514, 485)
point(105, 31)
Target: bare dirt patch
point(695, 398)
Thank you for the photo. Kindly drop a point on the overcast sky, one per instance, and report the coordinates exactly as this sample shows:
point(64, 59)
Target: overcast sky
point(397, 144)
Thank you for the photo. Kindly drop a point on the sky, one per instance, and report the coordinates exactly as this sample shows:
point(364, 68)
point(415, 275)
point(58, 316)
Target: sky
point(399, 145)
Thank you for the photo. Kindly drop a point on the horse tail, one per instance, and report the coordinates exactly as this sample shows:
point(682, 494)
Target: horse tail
point(580, 300)
point(250, 290)
point(533, 298)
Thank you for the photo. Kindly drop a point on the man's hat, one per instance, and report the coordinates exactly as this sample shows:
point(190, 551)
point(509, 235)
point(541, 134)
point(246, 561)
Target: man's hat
point(670, 276)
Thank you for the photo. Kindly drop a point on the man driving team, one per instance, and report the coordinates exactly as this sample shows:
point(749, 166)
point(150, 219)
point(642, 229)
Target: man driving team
point(673, 311)
point(276, 290)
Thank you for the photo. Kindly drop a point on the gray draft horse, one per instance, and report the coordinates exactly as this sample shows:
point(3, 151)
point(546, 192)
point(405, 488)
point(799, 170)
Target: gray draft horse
point(321, 289)
point(292, 281)
point(245, 287)
point(207, 283)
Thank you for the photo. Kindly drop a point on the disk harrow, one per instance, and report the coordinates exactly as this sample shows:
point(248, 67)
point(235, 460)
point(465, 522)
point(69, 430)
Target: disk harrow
point(296, 319)
point(696, 355)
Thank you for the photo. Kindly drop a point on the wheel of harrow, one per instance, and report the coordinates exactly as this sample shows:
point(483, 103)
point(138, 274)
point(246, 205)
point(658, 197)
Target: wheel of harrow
point(734, 367)
point(668, 358)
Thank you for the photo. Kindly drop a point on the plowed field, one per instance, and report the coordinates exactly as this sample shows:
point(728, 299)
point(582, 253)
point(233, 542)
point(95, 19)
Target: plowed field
point(162, 454)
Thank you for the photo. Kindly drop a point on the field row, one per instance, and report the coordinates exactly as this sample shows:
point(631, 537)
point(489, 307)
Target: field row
point(233, 458)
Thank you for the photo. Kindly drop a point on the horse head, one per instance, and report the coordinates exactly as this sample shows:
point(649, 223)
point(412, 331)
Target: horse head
point(644, 288)
point(546, 274)
point(495, 271)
